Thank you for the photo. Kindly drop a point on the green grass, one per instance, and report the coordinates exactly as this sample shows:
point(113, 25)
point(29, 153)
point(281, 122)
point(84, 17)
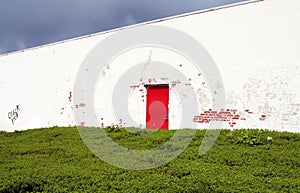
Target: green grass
point(57, 160)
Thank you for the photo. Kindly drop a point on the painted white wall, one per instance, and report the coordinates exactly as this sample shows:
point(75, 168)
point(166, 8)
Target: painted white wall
point(256, 47)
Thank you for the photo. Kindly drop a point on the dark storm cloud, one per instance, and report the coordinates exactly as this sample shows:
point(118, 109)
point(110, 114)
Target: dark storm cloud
point(28, 23)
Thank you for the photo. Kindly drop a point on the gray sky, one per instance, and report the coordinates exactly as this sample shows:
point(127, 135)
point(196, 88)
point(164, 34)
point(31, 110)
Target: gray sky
point(29, 23)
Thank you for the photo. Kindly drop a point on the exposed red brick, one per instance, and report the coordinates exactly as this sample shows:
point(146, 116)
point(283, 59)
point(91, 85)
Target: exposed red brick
point(228, 115)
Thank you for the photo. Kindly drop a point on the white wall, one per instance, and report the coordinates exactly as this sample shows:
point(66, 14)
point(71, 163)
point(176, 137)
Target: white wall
point(255, 46)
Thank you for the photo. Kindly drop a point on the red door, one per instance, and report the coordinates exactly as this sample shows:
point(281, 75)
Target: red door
point(157, 110)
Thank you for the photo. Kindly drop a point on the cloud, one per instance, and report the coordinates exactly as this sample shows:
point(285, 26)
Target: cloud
point(31, 23)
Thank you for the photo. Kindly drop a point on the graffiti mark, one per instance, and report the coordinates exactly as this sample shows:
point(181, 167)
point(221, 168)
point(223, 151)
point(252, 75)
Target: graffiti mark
point(228, 115)
point(13, 115)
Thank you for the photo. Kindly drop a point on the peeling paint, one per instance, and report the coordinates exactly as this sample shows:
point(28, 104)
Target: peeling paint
point(70, 96)
point(262, 117)
point(81, 105)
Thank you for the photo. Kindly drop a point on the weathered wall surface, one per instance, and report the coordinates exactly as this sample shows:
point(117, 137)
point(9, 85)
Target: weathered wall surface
point(255, 46)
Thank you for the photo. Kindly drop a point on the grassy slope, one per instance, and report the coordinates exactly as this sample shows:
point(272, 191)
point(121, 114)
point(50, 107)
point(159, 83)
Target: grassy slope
point(56, 160)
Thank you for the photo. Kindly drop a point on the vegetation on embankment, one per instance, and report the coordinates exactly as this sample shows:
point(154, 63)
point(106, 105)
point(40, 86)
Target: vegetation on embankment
point(57, 160)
